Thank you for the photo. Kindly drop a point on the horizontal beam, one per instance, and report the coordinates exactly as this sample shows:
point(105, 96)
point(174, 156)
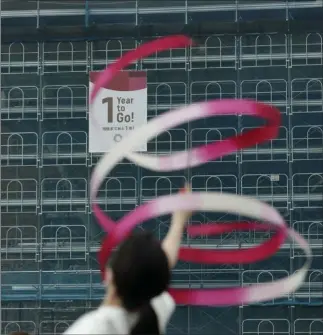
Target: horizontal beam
point(173, 59)
point(144, 10)
point(143, 31)
point(56, 293)
point(81, 248)
point(84, 201)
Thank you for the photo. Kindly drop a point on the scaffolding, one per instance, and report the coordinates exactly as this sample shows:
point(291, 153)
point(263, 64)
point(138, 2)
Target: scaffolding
point(49, 239)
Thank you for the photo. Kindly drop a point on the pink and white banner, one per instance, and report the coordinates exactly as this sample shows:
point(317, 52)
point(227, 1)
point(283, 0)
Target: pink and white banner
point(119, 108)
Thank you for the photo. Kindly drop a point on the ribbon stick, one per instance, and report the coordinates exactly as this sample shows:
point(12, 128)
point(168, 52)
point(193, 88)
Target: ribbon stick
point(199, 201)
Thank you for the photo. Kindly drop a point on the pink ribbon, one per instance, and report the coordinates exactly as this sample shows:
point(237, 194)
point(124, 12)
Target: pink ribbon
point(207, 201)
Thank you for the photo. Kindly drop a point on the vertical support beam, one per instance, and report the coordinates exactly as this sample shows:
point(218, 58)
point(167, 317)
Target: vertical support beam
point(137, 12)
point(290, 144)
point(292, 319)
point(237, 11)
point(188, 173)
point(186, 12)
point(89, 46)
point(87, 14)
point(0, 183)
point(240, 320)
point(239, 191)
point(38, 14)
point(40, 168)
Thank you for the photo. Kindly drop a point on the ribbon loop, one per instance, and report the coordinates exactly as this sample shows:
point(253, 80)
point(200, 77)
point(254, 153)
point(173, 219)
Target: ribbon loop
point(203, 201)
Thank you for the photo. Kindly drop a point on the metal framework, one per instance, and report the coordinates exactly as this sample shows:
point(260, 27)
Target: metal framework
point(139, 7)
point(49, 240)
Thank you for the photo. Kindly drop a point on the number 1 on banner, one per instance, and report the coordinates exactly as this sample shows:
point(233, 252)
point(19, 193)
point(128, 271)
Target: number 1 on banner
point(120, 108)
point(109, 102)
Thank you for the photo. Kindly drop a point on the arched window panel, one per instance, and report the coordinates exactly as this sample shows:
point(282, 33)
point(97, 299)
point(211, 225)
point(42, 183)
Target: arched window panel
point(225, 183)
point(64, 195)
point(19, 196)
point(19, 243)
point(152, 187)
point(273, 150)
point(308, 326)
point(210, 90)
point(173, 59)
point(312, 231)
point(64, 102)
point(307, 143)
point(263, 276)
point(49, 327)
point(118, 194)
point(266, 326)
point(20, 285)
point(307, 95)
point(106, 52)
point(307, 190)
point(311, 291)
point(63, 242)
point(203, 136)
point(168, 142)
point(8, 327)
point(268, 91)
point(165, 96)
point(19, 149)
point(271, 188)
point(263, 50)
point(65, 56)
point(306, 49)
point(64, 148)
point(19, 103)
point(20, 58)
point(214, 52)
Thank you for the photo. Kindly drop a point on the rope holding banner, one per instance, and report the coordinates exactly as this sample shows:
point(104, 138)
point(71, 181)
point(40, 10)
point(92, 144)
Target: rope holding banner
point(203, 201)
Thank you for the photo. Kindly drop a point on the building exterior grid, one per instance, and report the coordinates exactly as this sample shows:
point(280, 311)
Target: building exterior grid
point(49, 237)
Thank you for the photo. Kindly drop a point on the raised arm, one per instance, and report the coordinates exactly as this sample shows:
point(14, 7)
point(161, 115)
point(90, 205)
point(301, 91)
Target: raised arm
point(172, 241)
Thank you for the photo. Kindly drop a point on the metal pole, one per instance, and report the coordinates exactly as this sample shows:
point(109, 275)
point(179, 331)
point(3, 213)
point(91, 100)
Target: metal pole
point(0, 180)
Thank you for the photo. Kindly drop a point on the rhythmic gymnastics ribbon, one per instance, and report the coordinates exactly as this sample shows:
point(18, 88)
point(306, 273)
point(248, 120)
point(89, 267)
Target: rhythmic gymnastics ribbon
point(198, 201)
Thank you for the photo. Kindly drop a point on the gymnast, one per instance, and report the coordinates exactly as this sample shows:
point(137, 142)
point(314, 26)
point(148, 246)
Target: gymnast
point(137, 276)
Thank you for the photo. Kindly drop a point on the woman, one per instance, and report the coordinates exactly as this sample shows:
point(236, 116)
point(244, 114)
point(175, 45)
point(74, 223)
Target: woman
point(138, 277)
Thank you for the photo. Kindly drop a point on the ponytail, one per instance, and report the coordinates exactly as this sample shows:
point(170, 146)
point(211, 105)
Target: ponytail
point(147, 323)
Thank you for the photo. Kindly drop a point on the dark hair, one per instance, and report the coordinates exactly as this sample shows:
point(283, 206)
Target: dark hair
point(140, 272)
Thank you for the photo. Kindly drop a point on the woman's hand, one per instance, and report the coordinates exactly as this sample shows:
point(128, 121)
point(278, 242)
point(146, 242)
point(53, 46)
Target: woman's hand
point(172, 241)
point(180, 216)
